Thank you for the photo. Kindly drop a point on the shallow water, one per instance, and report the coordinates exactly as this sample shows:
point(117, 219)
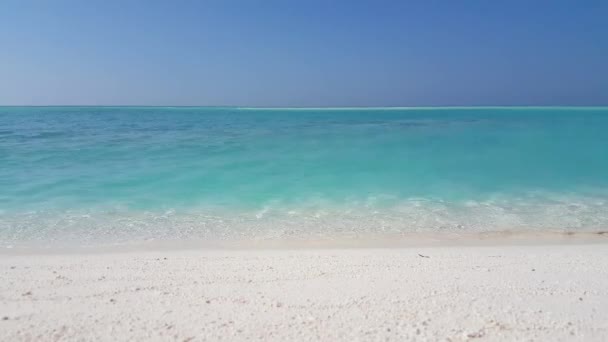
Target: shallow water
point(107, 175)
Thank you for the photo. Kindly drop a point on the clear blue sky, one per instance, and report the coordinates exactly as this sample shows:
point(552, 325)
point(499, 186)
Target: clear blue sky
point(304, 53)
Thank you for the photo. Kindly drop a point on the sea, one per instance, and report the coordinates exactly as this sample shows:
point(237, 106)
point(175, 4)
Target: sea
point(98, 176)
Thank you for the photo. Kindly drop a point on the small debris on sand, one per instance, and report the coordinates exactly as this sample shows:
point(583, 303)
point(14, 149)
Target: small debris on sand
point(477, 334)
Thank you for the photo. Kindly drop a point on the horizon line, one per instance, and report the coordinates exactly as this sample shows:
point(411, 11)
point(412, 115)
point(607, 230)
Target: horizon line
point(321, 108)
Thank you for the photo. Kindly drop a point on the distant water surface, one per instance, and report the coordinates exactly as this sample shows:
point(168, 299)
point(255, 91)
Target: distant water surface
point(114, 175)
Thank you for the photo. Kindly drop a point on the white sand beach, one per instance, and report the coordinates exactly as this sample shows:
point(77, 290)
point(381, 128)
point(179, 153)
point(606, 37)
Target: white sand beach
point(490, 293)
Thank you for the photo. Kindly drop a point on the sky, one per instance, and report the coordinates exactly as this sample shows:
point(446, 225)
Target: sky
point(304, 53)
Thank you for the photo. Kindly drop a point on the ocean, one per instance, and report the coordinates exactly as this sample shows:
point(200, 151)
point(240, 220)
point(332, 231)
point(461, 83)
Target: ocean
point(93, 176)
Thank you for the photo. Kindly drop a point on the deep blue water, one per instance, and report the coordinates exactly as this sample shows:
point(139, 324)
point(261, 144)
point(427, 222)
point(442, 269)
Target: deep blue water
point(125, 174)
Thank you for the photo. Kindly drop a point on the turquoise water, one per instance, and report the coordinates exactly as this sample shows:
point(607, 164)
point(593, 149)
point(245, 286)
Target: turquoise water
point(89, 175)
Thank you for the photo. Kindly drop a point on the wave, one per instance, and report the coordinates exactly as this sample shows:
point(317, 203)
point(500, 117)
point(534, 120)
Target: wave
point(313, 221)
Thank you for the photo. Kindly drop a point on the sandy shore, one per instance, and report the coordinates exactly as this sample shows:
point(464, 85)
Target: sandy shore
point(548, 293)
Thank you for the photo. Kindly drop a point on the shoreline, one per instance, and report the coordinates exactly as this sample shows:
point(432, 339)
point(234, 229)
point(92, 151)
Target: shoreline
point(456, 293)
point(344, 241)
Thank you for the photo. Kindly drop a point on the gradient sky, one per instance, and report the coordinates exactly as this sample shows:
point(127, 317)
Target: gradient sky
point(303, 53)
